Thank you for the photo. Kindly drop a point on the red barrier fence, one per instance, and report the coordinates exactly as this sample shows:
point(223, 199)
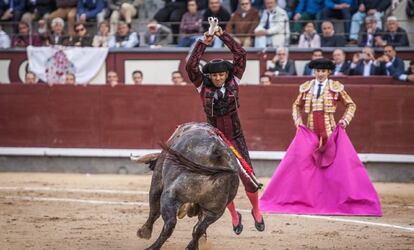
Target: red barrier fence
point(141, 116)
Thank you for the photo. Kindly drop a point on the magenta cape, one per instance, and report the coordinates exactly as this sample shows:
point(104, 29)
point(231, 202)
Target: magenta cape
point(334, 182)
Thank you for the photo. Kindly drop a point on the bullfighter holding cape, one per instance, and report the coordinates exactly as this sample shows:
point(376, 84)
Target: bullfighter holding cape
point(321, 172)
point(218, 89)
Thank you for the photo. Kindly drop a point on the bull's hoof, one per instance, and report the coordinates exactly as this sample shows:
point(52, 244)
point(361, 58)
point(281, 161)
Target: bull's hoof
point(144, 233)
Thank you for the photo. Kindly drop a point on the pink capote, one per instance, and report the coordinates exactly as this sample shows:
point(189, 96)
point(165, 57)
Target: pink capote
point(332, 182)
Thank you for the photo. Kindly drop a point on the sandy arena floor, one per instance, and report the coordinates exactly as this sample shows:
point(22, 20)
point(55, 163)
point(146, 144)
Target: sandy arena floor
point(73, 211)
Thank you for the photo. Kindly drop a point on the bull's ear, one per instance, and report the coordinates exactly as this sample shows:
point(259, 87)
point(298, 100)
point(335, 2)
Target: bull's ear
point(216, 156)
point(145, 158)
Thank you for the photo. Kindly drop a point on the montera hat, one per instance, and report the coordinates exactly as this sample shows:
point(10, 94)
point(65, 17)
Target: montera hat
point(218, 65)
point(322, 63)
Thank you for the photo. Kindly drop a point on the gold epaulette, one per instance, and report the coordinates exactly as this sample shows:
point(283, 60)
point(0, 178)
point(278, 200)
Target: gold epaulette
point(335, 86)
point(305, 86)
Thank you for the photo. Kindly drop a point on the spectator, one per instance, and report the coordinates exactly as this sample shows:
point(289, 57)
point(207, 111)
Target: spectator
point(316, 54)
point(390, 63)
point(340, 9)
point(12, 10)
point(404, 11)
point(363, 64)
point(370, 33)
point(265, 80)
point(273, 29)
point(177, 78)
point(243, 22)
point(373, 8)
point(305, 11)
point(4, 39)
point(216, 10)
point(70, 79)
point(157, 35)
point(341, 65)
point(30, 78)
point(65, 9)
point(282, 64)
point(309, 38)
point(137, 77)
point(82, 38)
point(190, 26)
point(329, 38)
point(42, 28)
point(88, 10)
point(124, 38)
point(112, 78)
point(123, 9)
point(394, 35)
point(102, 38)
point(37, 10)
point(58, 36)
point(408, 74)
point(24, 38)
point(172, 12)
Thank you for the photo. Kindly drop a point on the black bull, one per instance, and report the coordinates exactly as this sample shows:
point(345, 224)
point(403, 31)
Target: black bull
point(195, 174)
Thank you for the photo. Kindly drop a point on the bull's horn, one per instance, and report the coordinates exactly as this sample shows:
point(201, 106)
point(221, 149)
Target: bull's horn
point(145, 158)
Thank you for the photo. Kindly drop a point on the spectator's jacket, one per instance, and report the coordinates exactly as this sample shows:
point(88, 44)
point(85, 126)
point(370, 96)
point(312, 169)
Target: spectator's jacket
point(161, 37)
point(278, 23)
point(307, 71)
point(243, 26)
point(332, 41)
point(129, 41)
point(399, 38)
point(379, 5)
point(66, 3)
point(101, 41)
point(53, 39)
point(16, 5)
point(90, 8)
point(330, 4)
point(4, 40)
point(359, 69)
point(344, 69)
point(41, 7)
point(116, 4)
point(309, 40)
point(191, 24)
point(22, 41)
point(85, 41)
point(288, 70)
point(309, 6)
point(223, 16)
point(393, 68)
point(363, 37)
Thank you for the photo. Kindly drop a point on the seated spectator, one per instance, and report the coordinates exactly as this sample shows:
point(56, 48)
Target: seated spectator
point(243, 23)
point(316, 54)
point(82, 38)
point(12, 10)
point(305, 11)
point(172, 12)
point(273, 29)
point(177, 78)
point(137, 77)
point(157, 35)
point(190, 26)
point(123, 9)
point(329, 38)
point(341, 65)
point(124, 38)
point(390, 63)
point(30, 78)
point(283, 66)
point(57, 36)
point(265, 80)
point(408, 74)
point(102, 38)
point(25, 38)
point(309, 38)
point(37, 10)
point(112, 78)
point(368, 36)
point(70, 79)
point(373, 8)
point(339, 9)
point(363, 64)
point(42, 28)
point(88, 10)
point(215, 9)
point(5, 42)
point(66, 9)
point(394, 35)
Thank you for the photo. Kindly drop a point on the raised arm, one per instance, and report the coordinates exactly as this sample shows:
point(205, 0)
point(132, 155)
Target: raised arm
point(192, 66)
point(239, 54)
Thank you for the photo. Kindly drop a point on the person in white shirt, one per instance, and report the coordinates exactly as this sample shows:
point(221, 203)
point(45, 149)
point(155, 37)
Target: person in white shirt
point(5, 41)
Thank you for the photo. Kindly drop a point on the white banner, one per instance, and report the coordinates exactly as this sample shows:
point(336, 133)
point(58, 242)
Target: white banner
point(51, 64)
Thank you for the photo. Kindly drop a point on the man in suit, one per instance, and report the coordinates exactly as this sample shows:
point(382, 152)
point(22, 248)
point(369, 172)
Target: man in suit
point(394, 35)
point(316, 54)
point(368, 35)
point(157, 35)
point(341, 65)
point(390, 64)
point(364, 64)
point(408, 75)
point(329, 38)
point(282, 64)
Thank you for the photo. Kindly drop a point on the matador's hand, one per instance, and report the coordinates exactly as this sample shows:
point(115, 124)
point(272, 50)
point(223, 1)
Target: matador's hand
point(219, 31)
point(342, 123)
point(208, 39)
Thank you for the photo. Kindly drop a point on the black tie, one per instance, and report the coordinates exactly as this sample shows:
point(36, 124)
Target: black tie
point(319, 90)
point(267, 24)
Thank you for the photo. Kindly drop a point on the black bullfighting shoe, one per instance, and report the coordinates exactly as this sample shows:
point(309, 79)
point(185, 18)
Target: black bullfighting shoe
point(260, 226)
point(239, 228)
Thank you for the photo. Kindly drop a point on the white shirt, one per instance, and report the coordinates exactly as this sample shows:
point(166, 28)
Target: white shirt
point(367, 68)
point(316, 86)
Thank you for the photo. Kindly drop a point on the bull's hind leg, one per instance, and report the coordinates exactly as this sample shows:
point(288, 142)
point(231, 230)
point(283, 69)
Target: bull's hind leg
point(200, 228)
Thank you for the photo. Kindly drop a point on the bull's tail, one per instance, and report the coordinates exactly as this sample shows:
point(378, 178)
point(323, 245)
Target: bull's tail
point(193, 167)
point(150, 159)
